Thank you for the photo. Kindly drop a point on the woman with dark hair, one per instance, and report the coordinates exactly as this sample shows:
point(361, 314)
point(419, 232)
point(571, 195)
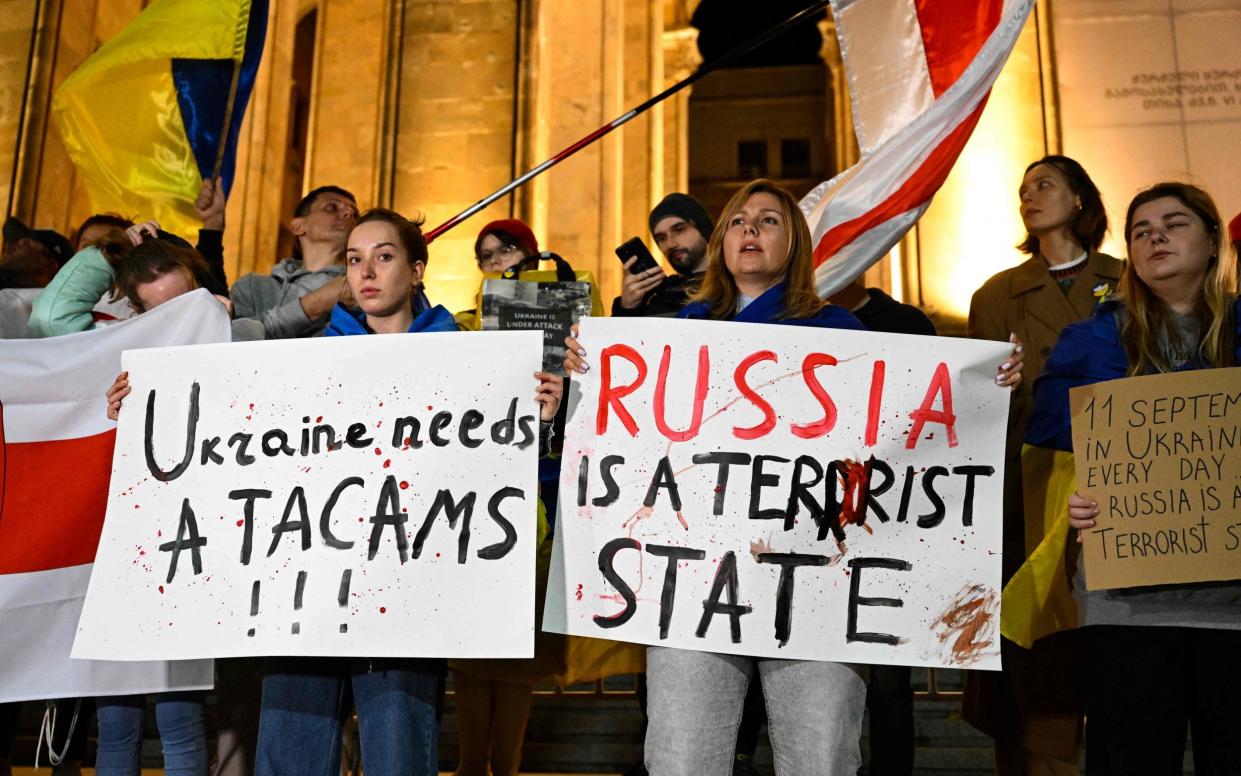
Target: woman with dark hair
point(98, 226)
point(760, 269)
point(146, 268)
point(505, 244)
point(1031, 708)
point(1160, 658)
point(142, 266)
point(307, 700)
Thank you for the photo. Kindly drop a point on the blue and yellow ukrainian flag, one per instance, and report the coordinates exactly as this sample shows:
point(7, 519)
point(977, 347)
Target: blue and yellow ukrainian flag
point(143, 117)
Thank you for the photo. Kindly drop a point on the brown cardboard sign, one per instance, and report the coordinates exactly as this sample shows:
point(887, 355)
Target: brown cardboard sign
point(1161, 455)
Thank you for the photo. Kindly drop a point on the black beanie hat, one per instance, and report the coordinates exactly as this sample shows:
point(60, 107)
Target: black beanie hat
point(683, 206)
point(56, 244)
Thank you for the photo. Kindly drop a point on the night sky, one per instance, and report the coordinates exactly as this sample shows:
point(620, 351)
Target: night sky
point(725, 24)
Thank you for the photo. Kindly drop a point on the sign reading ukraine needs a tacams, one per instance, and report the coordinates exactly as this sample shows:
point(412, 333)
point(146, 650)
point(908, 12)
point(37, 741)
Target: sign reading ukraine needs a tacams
point(782, 491)
point(367, 496)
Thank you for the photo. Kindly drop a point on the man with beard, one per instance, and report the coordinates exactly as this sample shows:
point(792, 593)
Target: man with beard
point(681, 228)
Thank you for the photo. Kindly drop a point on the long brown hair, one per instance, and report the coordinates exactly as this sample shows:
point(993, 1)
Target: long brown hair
point(149, 261)
point(408, 231)
point(1147, 313)
point(719, 288)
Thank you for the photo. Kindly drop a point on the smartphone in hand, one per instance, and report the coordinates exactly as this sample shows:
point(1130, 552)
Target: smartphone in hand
point(635, 247)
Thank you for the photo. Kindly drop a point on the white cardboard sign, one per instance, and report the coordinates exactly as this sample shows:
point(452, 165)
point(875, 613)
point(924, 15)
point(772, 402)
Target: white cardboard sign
point(708, 523)
point(367, 496)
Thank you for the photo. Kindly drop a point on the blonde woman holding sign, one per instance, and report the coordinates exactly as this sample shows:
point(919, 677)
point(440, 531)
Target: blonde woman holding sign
point(1177, 310)
point(760, 270)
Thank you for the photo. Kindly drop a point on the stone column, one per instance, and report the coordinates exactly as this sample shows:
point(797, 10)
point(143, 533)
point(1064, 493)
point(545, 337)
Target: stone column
point(681, 59)
point(841, 138)
point(588, 63)
point(17, 22)
point(254, 205)
point(454, 140)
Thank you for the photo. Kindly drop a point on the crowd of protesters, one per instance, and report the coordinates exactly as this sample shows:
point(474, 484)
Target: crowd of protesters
point(1074, 316)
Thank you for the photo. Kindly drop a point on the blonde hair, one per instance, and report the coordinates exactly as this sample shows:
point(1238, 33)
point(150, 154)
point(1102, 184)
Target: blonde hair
point(1148, 315)
point(719, 288)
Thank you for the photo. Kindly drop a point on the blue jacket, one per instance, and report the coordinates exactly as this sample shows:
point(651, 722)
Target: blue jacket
point(1087, 352)
point(769, 308)
point(347, 322)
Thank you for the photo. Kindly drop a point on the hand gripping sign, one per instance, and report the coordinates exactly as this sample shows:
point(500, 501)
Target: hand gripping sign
point(368, 496)
point(781, 491)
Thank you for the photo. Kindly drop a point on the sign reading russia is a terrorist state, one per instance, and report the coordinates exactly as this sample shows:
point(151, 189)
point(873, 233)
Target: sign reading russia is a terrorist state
point(783, 491)
point(368, 496)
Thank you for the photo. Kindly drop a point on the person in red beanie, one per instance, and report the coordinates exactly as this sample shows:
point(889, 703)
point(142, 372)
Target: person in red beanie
point(493, 696)
point(505, 244)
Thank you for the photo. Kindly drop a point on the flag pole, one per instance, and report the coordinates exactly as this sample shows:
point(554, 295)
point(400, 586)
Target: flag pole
point(228, 120)
point(633, 113)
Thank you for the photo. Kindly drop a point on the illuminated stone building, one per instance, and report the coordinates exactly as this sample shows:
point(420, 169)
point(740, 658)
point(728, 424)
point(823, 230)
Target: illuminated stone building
point(428, 105)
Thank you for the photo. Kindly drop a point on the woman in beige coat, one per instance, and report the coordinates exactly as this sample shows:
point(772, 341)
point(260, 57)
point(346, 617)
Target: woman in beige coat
point(1032, 708)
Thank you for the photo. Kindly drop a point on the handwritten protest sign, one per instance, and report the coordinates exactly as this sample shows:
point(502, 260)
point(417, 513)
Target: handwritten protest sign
point(783, 491)
point(1162, 457)
point(369, 496)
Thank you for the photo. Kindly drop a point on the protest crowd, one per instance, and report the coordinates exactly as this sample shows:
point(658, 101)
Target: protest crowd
point(1075, 316)
point(1117, 685)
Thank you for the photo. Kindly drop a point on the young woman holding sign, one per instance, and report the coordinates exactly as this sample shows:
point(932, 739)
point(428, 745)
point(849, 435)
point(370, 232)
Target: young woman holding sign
point(1177, 310)
point(306, 700)
point(760, 270)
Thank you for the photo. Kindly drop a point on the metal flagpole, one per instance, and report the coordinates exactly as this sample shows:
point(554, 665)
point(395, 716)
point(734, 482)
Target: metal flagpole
point(731, 56)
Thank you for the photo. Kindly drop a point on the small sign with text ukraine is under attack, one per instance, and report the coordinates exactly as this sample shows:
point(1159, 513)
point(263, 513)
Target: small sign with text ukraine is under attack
point(783, 492)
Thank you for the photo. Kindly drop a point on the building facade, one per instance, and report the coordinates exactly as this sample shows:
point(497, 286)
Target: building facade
point(426, 106)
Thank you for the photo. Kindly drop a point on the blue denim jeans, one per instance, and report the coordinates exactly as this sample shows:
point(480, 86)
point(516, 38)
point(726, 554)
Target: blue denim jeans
point(306, 702)
point(179, 716)
point(814, 713)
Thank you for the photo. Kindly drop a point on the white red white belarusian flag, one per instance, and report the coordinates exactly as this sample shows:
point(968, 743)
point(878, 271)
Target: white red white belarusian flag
point(919, 74)
point(55, 464)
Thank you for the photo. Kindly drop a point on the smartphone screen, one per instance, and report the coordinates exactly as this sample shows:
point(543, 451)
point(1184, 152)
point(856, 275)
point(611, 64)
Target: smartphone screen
point(635, 247)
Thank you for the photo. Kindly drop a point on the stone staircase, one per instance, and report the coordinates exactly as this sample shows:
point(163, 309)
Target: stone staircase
point(583, 732)
point(589, 733)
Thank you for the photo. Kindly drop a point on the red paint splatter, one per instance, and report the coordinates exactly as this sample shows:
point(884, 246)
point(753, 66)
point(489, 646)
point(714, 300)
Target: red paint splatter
point(378, 451)
point(239, 523)
point(387, 463)
point(136, 506)
point(383, 610)
point(161, 589)
point(406, 447)
point(437, 554)
point(319, 419)
point(428, 408)
point(579, 592)
point(404, 484)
